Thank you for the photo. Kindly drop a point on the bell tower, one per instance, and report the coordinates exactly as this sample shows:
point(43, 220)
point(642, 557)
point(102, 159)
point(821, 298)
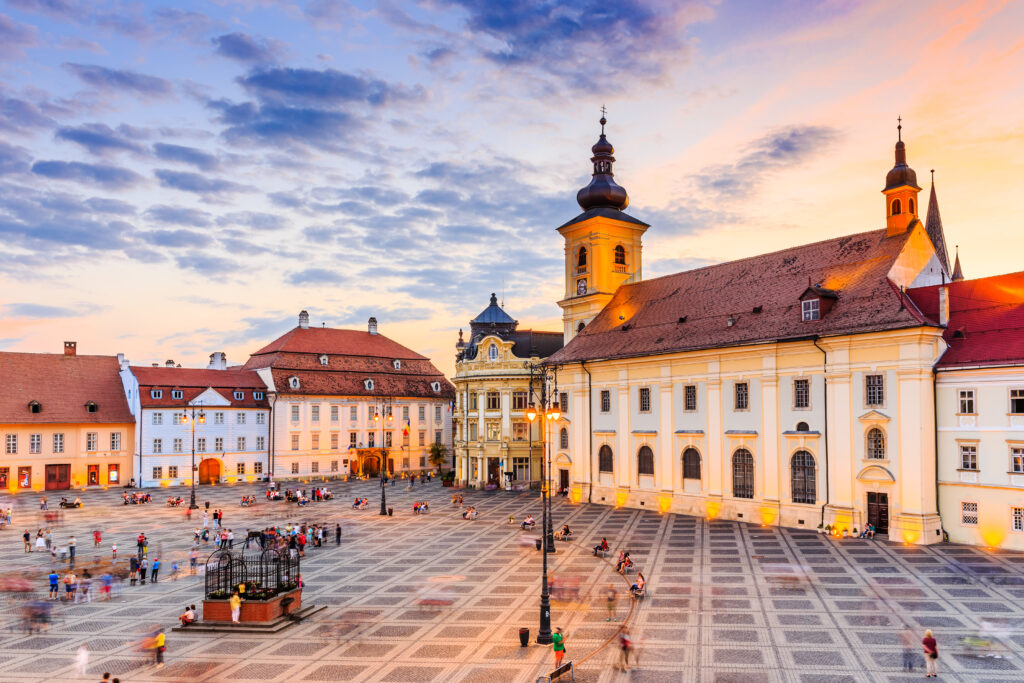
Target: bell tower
point(900, 190)
point(602, 245)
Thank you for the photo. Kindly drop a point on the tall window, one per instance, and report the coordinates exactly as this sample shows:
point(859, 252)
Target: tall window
point(35, 443)
point(645, 399)
point(334, 413)
point(295, 413)
point(810, 309)
point(968, 457)
point(581, 257)
point(177, 445)
point(12, 444)
point(691, 464)
point(421, 439)
point(437, 436)
point(334, 441)
point(620, 255)
point(422, 412)
point(295, 442)
point(876, 444)
point(58, 443)
point(261, 418)
point(801, 393)
point(158, 445)
point(240, 444)
point(218, 444)
point(518, 400)
point(690, 397)
point(405, 413)
point(742, 474)
point(1017, 460)
point(896, 206)
point(1017, 401)
point(493, 400)
point(742, 396)
point(260, 443)
point(91, 440)
point(474, 400)
point(218, 418)
point(1017, 517)
point(353, 439)
point(158, 418)
point(969, 513)
point(645, 461)
point(314, 413)
point(874, 390)
point(314, 466)
point(492, 352)
point(201, 444)
point(606, 401)
point(315, 442)
point(967, 401)
point(493, 430)
point(521, 431)
point(802, 470)
point(563, 402)
point(240, 418)
point(437, 413)
point(604, 459)
point(115, 441)
point(353, 413)
point(563, 438)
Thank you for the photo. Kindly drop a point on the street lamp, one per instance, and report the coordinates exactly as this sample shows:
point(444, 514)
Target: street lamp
point(202, 420)
point(383, 457)
point(548, 542)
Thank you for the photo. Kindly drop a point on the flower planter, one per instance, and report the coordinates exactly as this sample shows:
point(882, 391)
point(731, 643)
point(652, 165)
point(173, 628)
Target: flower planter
point(252, 610)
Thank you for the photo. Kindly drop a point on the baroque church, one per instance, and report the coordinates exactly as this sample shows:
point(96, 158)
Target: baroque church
point(793, 388)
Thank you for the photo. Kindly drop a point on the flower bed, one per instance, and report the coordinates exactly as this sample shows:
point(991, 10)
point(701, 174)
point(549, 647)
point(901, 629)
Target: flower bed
point(254, 609)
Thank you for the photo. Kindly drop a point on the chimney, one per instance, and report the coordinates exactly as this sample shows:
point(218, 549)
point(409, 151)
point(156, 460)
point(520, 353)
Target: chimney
point(218, 361)
point(168, 363)
point(304, 320)
point(156, 365)
point(70, 348)
point(944, 305)
point(371, 326)
point(122, 362)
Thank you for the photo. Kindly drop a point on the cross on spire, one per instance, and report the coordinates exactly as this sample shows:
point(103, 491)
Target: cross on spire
point(899, 128)
point(603, 120)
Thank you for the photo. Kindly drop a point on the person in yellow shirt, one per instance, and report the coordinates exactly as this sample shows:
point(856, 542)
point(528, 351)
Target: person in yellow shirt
point(236, 606)
point(158, 647)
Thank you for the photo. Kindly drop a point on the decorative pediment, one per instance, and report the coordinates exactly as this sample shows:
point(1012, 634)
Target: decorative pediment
point(874, 417)
point(876, 473)
point(210, 397)
point(563, 459)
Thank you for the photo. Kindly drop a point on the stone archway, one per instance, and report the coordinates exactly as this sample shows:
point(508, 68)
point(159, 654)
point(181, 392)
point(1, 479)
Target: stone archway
point(209, 471)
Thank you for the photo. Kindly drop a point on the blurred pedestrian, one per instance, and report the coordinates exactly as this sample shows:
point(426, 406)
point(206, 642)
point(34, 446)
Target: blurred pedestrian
point(82, 660)
point(612, 596)
point(558, 646)
point(625, 647)
point(931, 655)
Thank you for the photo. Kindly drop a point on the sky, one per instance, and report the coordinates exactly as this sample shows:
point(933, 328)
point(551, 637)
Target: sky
point(182, 179)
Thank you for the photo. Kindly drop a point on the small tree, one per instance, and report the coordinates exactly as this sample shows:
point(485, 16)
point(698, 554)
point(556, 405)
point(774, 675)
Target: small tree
point(438, 452)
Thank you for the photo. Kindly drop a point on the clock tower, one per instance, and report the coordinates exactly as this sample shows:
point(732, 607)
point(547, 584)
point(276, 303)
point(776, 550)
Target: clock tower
point(602, 244)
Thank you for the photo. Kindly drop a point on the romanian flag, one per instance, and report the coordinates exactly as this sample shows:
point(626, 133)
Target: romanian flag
point(405, 429)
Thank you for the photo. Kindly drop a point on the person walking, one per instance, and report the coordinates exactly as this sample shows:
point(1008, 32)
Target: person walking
point(156, 569)
point(54, 584)
point(206, 517)
point(907, 640)
point(612, 596)
point(159, 647)
point(113, 553)
point(133, 566)
point(82, 660)
point(97, 538)
point(236, 606)
point(193, 558)
point(558, 646)
point(337, 534)
point(28, 541)
point(143, 567)
point(71, 550)
point(625, 647)
point(931, 655)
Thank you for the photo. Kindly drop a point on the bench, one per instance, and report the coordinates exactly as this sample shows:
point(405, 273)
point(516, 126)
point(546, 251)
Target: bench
point(566, 668)
point(603, 553)
point(642, 593)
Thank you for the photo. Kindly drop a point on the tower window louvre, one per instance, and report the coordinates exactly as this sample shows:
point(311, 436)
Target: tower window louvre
point(896, 207)
point(620, 255)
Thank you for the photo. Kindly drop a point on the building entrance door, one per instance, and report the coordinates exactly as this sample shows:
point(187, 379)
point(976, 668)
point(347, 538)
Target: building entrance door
point(209, 471)
point(58, 477)
point(878, 511)
point(563, 480)
point(493, 471)
point(94, 475)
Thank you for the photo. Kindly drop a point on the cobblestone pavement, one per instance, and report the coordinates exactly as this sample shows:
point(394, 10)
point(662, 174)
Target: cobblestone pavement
point(730, 601)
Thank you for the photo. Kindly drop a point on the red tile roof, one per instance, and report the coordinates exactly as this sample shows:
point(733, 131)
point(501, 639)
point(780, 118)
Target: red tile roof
point(986, 320)
point(193, 382)
point(62, 385)
point(691, 310)
point(318, 383)
point(337, 342)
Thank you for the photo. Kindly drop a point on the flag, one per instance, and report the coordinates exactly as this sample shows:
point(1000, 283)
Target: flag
point(405, 429)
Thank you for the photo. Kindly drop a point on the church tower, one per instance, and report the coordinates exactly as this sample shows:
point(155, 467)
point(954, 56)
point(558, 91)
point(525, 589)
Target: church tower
point(900, 191)
point(602, 244)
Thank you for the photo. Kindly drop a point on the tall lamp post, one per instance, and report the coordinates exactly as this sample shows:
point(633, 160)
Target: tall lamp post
point(383, 419)
point(549, 414)
point(201, 418)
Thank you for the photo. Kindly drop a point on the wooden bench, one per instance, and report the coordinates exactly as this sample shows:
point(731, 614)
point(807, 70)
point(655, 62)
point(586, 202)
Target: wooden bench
point(566, 668)
point(642, 593)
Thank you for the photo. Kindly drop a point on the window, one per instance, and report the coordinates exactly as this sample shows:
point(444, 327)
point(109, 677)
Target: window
point(563, 402)
point(314, 413)
point(405, 413)
point(295, 468)
point(1017, 515)
point(966, 401)
point(493, 430)
point(158, 472)
point(35, 407)
point(606, 401)
point(802, 427)
point(968, 457)
point(240, 418)
point(314, 466)
point(422, 439)
point(581, 258)
point(371, 439)
point(177, 394)
point(315, 442)
point(24, 477)
point(240, 444)
point(293, 382)
point(423, 413)
point(258, 395)
point(802, 471)
point(178, 418)
point(520, 432)
point(563, 438)
point(324, 360)
point(968, 513)
point(257, 467)
point(113, 473)
point(240, 468)
point(620, 255)
point(156, 393)
point(334, 463)
point(260, 443)
point(690, 397)
point(334, 441)
point(645, 461)
point(35, 443)
point(295, 413)
point(261, 418)
point(388, 439)
point(239, 395)
point(5, 474)
point(810, 309)
point(492, 352)
point(396, 364)
point(58, 443)
point(12, 444)
point(437, 413)
point(1016, 401)
point(518, 400)
point(910, 205)
point(176, 445)
point(742, 474)
point(876, 444)
point(579, 328)
point(645, 399)
point(605, 459)
point(201, 444)
point(218, 418)
point(368, 384)
point(158, 418)
point(115, 441)
point(90, 441)
point(423, 461)
point(1017, 460)
point(91, 407)
point(742, 395)
point(874, 390)
point(438, 436)
point(353, 413)
point(493, 400)
point(353, 439)
point(691, 464)
point(473, 400)
point(896, 206)
point(801, 393)
point(473, 431)
point(172, 471)
point(218, 444)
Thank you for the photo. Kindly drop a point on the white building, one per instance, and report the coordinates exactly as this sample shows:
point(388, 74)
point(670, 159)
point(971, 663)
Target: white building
point(231, 431)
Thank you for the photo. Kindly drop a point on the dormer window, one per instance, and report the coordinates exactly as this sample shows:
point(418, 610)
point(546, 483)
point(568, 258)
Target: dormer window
point(810, 309)
point(620, 255)
point(492, 352)
point(323, 359)
point(397, 364)
point(239, 395)
point(35, 407)
point(177, 394)
point(156, 393)
point(258, 395)
point(91, 407)
point(368, 384)
point(293, 382)
point(436, 386)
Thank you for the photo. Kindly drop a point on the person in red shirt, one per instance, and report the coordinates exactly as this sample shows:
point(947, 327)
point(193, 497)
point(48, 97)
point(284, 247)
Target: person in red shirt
point(931, 655)
point(97, 538)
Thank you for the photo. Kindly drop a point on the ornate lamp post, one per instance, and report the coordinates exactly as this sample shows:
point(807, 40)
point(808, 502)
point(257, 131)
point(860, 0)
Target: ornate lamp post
point(202, 420)
point(548, 543)
point(383, 419)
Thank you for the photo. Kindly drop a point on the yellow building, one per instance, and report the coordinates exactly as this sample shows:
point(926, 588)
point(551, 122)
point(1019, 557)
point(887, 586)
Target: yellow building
point(496, 373)
point(65, 422)
point(792, 388)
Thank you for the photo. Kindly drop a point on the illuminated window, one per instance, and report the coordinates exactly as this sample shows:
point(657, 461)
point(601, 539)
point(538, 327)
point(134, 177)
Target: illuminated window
point(802, 470)
point(645, 461)
point(742, 474)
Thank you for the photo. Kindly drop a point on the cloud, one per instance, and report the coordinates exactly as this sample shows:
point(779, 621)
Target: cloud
point(778, 149)
point(15, 37)
point(208, 265)
point(76, 43)
point(113, 177)
point(246, 48)
point(254, 220)
point(194, 182)
point(29, 310)
point(276, 124)
point(19, 115)
point(326, 86)
point(175, 238)
point(111, 206)
point(315, 276)
point(98, 138)
point(178, 215)
point(186, 155)
point(105, 79)
point(13, 159)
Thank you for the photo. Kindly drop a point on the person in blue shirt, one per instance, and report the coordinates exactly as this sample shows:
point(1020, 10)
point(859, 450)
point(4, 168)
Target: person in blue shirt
point(54, 584)
point(156, 569)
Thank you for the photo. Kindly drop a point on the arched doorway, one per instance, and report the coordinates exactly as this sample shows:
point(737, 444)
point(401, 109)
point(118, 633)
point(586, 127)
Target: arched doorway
point(369, 465)
point(209, 471)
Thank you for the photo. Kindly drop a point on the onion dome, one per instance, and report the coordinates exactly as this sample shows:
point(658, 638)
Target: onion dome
point(603, 191)
point(901, 174)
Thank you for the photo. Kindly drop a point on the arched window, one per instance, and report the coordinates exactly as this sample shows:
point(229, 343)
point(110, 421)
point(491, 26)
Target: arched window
point(805, 488)
point(581, 260)
point(742, 474)
point(563, 438)
point(896, 207)
point(691, 464)
point(579, 328)
point(604, 459)
point(492, 352)
point(876, 444)
point(620, 255)
point(645, 461)
point(910, 205)
point(802, 427)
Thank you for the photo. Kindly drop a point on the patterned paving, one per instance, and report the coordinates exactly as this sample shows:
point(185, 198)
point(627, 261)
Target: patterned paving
point(730, 602)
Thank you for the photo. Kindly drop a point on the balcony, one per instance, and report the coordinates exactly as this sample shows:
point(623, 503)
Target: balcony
point(619, 268)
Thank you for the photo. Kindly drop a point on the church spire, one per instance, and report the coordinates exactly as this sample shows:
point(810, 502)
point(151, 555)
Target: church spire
point(933, 226)
point(957, 273)
point(900, 190)
point(603, 192)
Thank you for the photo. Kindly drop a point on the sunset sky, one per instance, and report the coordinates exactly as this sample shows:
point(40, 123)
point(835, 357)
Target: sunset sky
point(182, 179)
